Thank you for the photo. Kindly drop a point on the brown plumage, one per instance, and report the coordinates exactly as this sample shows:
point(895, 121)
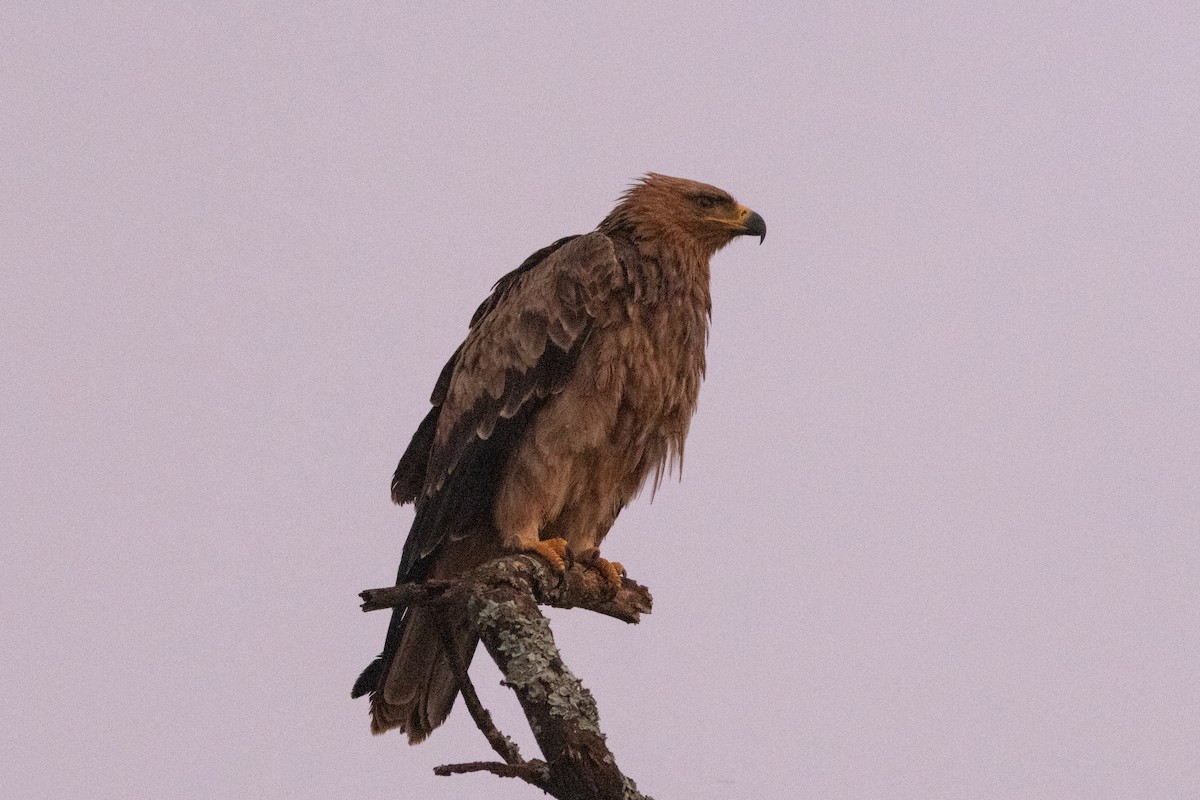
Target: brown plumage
point(575, 385)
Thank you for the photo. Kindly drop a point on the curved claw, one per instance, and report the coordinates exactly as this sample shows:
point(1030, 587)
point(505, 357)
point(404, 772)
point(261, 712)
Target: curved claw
point(612, 571)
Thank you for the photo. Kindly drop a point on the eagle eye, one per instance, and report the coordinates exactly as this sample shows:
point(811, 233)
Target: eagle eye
point(707, 201)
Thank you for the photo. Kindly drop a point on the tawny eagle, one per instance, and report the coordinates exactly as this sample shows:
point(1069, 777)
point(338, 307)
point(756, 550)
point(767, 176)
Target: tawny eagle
point(575, 385)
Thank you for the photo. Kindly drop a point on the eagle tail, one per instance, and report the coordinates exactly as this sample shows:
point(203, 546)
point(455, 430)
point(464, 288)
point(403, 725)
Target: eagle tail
point(412, 684)
point(416, 691)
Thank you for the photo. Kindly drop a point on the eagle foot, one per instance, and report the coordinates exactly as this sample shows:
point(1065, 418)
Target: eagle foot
point(555, 552)
point(612, 571)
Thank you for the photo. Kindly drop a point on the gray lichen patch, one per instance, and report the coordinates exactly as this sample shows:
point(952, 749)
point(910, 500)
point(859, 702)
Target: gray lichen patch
point(568, 699)
point(532, 664)
point(487, 612)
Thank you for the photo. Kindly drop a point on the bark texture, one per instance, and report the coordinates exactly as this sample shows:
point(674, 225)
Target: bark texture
point(501, 600)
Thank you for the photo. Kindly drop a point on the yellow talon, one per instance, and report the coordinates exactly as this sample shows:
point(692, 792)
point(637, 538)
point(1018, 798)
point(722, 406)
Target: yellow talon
point(613, 572)
point(554, 551)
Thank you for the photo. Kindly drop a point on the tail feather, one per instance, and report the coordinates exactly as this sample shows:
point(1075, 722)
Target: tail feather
point(419, 690)
point(369, 679)
point(411, 684)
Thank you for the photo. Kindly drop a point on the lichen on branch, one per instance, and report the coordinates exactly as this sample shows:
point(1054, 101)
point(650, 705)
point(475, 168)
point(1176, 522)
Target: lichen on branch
point(502, 599)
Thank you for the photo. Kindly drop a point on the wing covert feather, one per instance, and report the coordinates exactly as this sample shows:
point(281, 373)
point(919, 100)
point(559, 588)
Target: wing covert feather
point(504, 363)
point(521, 349)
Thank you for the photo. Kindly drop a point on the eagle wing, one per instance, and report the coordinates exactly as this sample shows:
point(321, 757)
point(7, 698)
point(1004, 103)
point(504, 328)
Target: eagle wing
point(522, 348)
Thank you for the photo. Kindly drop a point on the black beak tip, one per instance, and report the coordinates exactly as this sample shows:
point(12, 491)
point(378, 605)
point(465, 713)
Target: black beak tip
point(755, 225)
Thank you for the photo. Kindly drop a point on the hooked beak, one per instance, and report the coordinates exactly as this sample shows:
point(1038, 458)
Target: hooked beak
point(752, 224)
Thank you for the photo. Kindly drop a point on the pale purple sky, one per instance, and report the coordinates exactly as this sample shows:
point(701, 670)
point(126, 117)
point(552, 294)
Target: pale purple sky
point(938, 535)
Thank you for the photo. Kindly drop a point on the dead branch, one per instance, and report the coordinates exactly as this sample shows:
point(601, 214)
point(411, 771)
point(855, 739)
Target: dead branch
point(501, 599)
point(505, 747)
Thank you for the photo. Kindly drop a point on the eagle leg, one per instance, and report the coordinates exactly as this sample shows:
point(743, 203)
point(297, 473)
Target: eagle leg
point(612, 571)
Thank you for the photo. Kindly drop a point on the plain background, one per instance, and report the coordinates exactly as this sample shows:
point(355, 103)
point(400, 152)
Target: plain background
point(937, 535)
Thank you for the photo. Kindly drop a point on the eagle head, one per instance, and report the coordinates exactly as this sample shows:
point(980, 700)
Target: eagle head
point(680, 209)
